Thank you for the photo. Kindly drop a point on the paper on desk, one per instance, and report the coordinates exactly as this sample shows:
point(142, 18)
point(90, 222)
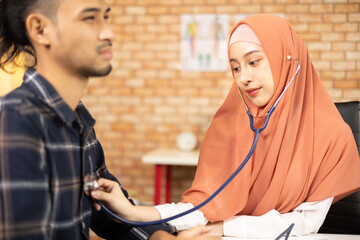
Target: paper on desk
point(308, 237)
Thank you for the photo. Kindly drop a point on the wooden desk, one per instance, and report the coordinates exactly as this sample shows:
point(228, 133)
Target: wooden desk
point(165, 158)
point(308, 237)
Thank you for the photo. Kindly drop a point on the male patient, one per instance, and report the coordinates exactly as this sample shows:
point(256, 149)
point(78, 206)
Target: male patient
point(47, 141)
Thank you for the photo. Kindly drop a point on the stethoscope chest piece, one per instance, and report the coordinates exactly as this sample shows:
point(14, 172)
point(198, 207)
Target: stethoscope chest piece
point(90, 183)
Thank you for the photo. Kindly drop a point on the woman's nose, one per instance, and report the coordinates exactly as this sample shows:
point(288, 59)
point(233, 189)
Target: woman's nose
point(245, 76)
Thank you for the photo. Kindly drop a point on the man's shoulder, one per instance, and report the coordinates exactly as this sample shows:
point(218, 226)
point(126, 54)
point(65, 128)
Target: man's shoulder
point(21, 100)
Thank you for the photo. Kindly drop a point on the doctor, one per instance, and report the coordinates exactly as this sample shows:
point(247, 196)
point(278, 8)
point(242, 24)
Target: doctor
point(305, 160)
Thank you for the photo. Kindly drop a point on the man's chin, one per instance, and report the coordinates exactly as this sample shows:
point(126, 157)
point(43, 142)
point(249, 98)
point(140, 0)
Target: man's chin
point(92, 72)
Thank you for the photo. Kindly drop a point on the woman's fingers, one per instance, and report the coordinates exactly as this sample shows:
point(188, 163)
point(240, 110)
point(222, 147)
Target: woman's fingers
point(198, 230)
point(106, 184)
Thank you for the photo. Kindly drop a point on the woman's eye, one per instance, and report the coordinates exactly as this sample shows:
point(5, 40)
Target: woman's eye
point(253, 63)
point(236, 69)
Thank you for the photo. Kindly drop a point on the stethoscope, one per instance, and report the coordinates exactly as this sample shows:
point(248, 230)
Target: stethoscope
point(92, 184)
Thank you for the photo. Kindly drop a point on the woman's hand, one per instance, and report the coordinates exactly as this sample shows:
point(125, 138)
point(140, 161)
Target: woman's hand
point(199, 233)
point(216, 228)
point(111, 195)
point(196, 233)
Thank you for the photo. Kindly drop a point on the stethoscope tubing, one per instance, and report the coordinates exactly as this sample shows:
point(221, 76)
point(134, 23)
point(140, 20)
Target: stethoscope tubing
point(232, 176)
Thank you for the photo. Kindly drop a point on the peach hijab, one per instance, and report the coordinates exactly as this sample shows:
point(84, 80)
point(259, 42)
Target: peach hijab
point(307, 152)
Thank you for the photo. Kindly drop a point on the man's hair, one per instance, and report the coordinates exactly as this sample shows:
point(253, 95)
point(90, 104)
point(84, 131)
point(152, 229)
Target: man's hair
point(14, 39)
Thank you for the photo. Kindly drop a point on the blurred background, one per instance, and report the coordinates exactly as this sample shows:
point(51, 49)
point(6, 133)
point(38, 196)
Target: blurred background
point(150, 97)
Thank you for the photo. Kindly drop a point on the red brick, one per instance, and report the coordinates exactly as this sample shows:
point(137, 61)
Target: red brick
point(353, 75)
point(321, 27)
point(157, 28)
point(347, 8)
point(319, 46)
point(345, 84)
point(333, 74)
point(239, 1)
point(273, 8)
point(169, 2)
point(168, 19)
point(226, 9)
point(297, 8)
point(335, 1)
point(301, 27)
point(123, 19)
point(135, 10)
point(134, 28)
point(310, 18)
point(194, 2)
point(146, 19)
point(343, 65)
point(310, 1)
point(203, 9)
point(352, 94)
point(216, 2)
point(181, 10)
point(353, 55)
point(158, 10)
point(333, 56)
point(337, 18)
point(344, 46)
point(321, 65)
point(346, 27)
point(310, 36)
point(354, 17)
point(250, 9)
point(321, 8)
point(333, 37)
point(146, 2)
point(353, 37)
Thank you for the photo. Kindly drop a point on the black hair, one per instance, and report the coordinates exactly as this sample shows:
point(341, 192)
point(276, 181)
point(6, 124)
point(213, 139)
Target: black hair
point(14, 39)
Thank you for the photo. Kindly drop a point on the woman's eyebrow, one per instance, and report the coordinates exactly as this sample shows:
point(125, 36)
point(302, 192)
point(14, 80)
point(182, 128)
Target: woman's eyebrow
point(251, 52)
point(245, 55)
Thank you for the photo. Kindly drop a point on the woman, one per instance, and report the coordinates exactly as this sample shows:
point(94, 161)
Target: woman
point(305, 159)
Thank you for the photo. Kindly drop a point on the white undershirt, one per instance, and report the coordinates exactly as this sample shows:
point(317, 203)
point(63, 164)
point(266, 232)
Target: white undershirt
point(307, 217)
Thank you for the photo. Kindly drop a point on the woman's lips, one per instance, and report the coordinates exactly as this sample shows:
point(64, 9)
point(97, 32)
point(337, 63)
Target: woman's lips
point(252, 91)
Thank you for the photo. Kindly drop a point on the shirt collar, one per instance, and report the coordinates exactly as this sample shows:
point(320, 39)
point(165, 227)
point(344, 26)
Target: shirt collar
point(44, 91)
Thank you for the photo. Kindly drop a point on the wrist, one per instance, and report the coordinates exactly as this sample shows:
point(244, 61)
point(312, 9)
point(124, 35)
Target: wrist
point(131, 213)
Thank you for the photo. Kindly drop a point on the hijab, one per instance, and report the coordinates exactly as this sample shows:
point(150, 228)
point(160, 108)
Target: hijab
point(306, 153)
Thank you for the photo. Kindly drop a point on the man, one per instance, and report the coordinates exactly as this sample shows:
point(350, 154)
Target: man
point(48, 146)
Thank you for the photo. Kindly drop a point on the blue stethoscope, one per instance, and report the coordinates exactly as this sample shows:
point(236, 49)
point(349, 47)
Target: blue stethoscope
point(232, 176)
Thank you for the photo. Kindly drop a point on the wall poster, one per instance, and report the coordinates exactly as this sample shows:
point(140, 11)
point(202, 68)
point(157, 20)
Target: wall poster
point(204, 42)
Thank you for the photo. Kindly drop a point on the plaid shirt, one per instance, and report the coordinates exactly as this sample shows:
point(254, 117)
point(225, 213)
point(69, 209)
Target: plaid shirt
point(46, 150)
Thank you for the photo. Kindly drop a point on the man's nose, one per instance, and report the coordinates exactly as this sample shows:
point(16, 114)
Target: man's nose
point(106, 33)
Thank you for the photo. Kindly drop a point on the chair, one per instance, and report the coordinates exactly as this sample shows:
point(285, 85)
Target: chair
point(344, 215)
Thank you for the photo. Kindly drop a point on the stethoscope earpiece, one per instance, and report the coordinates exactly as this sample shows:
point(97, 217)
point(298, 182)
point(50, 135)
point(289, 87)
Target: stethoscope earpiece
point(288, 57)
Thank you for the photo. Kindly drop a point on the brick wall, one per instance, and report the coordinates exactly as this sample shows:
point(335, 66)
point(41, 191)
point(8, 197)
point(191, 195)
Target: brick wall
point(147, 100)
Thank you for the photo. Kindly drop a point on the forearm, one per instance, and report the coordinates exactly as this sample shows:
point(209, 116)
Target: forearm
point(162, 235)
point(308, 218)
point(142, 214)
point(188, 221)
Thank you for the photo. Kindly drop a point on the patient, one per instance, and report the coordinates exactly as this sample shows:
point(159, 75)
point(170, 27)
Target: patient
point(305, 160)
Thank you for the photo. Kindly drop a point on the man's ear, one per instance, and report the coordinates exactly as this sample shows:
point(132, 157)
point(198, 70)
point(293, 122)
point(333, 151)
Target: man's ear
point(38, 28)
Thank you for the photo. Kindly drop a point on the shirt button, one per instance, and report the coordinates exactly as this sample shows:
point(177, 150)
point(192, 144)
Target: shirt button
point(83, 225)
